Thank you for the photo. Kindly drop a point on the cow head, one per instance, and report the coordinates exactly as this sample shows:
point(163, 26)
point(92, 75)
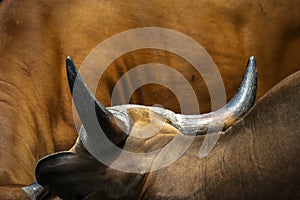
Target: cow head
point(78, 174)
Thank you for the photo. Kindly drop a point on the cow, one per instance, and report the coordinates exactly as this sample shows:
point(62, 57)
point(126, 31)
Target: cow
point(36, 36)
point(111, 119)
point(257, 158)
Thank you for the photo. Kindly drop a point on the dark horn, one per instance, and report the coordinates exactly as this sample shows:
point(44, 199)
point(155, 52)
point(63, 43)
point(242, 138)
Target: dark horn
point(235, 109)
point(87, 104)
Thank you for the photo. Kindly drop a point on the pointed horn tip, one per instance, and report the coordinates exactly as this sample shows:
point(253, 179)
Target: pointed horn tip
point(69, 62)
point(251, 65)
point(252, 58)
point(252, 61)
point(69, 58)
point(72, 73)
point(70, 65)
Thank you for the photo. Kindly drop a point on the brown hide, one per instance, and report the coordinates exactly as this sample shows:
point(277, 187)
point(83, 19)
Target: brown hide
point(36, 36)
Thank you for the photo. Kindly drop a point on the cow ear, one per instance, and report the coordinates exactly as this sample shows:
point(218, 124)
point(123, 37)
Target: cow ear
point(68, 175)
point(91, 112)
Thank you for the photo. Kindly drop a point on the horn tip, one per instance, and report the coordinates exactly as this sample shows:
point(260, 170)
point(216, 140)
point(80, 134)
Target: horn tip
point(72, 72)
point(71, 67)
point(69, 58)
point(252, 58)
point(70, 62)
point(252, 61)
point(251, 66)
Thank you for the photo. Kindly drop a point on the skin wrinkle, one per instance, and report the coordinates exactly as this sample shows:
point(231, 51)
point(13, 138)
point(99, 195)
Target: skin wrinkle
point(199, 191)
point(67, 120)
point(250, 130)
point(40, 136)
point(220, 160)
point(26, 165)
point(17, 136)
point(260, 169)
point(253, 151)
point(22, 93)
point(31, 123)
point(6, 102)
point(10, 95)
point(261, 7)
point(195, 181)
point(239, 158)
point(223, 171)
point(25, 67)
point(23, 163)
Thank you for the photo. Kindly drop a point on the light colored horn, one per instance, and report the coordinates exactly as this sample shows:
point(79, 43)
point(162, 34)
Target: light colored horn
point(224, 117)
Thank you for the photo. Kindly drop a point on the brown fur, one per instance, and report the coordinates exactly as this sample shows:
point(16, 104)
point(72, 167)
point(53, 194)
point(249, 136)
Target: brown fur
point(36, 36)
point(13, 192)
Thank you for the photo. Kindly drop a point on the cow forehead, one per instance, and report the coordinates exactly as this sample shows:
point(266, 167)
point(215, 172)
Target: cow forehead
point(128, 115)
point(149, 130)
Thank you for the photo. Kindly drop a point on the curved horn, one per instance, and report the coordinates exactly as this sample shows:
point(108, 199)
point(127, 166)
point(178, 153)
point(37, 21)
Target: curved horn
point(223, 118)
point(87, 104)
